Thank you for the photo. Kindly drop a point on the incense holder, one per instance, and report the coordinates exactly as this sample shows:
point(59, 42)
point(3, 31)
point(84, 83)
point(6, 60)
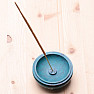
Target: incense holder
point(61, 74)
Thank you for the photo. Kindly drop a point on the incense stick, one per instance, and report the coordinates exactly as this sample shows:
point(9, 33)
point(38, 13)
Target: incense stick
point(33, 35)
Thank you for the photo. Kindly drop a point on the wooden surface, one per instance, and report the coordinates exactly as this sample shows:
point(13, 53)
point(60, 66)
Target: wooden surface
point(66, 26)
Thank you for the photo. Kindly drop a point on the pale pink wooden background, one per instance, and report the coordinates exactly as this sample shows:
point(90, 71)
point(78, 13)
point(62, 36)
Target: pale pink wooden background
point(66, 26)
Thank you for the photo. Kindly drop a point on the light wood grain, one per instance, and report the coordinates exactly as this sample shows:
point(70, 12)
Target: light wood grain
point(87, 25)
point(73, 46)
point(61, 25)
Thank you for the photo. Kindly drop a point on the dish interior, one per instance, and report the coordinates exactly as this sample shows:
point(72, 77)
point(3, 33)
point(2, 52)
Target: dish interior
point(59, 63)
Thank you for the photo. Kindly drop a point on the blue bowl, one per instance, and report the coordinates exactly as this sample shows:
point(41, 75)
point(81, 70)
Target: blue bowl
point(62, 66)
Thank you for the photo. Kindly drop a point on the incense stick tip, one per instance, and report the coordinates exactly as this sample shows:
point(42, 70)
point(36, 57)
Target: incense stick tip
point(15, 3)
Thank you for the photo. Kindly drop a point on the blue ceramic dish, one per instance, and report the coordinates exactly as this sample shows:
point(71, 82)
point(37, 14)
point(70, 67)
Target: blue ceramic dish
point(60, 63)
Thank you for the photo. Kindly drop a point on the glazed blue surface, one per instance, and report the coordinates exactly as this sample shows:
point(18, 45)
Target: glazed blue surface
point(60, 63)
